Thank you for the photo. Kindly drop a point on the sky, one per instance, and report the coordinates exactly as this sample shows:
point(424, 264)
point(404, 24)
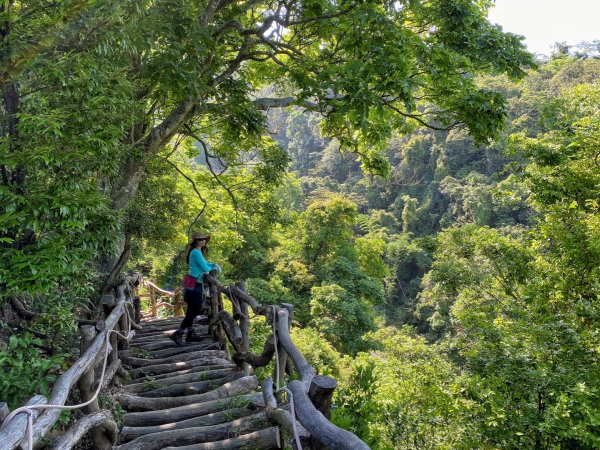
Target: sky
point(544, 22)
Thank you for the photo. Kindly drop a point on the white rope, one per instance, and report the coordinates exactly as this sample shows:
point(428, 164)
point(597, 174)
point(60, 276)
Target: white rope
point(293, 410)
point(29, 410)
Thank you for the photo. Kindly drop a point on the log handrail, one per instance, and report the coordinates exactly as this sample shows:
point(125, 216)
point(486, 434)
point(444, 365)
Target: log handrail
point(13, 433)
point(157, 288)
point(153, 289)
point(311, 395)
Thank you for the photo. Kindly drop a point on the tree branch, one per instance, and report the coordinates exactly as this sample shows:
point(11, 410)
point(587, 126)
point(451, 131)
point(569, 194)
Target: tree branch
point(192, 182)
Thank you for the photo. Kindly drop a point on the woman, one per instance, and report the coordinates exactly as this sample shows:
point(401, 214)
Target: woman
point(198, 266)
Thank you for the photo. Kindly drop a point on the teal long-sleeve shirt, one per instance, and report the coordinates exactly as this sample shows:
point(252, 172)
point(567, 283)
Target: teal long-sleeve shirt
point(198, 264)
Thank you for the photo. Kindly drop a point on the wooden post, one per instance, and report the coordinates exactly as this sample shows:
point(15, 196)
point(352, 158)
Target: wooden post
point(86, 387)
point(152, 301)
point(86, 382)
point(215, 306)
point(279, 369)
point(108, 302)
point(304, 369)
point(244, 327)
point(4, 411)
point(137, 309)
point(321, 392)
point(232, 330)
point(114, 342)
point(220, 330)
point(122, 326)
point(178, 302)
point(212, 312)
point(235, 306)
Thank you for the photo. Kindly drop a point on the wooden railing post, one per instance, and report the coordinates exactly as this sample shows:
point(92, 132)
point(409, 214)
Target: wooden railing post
point(137, 309)
point(108, 302)
point(282, 356)
point(320, 394)
point(220, 330)
point(86, 386)
point(244, 326)
point(4, 411)
point(122, 326)
point(178, 302)
point(152, 301)
point(216, 304)
point(86, 382)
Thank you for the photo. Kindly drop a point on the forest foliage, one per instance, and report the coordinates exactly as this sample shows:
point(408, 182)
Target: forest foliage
point(378, 165)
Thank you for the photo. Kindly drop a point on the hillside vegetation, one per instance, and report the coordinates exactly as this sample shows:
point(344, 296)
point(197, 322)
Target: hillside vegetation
point(423, 191)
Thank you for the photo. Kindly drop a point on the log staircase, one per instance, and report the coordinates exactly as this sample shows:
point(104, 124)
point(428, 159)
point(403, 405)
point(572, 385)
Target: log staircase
point(186, 397)
point(189, 397)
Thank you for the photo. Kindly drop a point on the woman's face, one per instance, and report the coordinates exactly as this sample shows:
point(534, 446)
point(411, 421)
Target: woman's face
point(200, 242)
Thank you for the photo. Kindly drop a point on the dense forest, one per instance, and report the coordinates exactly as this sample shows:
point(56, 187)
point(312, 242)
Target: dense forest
point(420, 188)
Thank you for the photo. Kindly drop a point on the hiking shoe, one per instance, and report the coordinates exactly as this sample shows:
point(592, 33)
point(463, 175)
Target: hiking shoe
point(192, 336)
point(177, 337)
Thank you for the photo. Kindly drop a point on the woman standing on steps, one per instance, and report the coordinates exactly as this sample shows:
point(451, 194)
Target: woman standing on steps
point(193, 296)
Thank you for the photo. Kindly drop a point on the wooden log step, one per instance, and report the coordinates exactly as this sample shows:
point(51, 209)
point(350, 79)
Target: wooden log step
point(170, 319)
point(178, 379)
point(159, 338)
point(131, 433)
point(168, 343)
point(141, 337)
point(151, 330)
point(170, 323)
point(156, 319)
point(177, 372)
point(152, 338)
point(197, 435)
point(181, 365)
point(266, 439)
point(192, 346)
point(173, 350)
point(158, 322)
point(240, 386)
point(143, 362)
point(198, 387)
point(149, 418)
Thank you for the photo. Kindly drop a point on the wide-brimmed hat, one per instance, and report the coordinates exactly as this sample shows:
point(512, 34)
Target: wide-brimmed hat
point(200, 235)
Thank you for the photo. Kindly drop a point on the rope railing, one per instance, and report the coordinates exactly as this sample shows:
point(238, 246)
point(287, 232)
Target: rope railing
point(27, 425)
point(309, 398)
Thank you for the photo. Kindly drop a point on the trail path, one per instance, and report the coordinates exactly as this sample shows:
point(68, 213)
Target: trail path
point(189, 397)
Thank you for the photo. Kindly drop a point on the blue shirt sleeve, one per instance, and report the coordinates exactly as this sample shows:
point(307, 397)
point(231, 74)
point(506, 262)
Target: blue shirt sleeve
point(198, 264)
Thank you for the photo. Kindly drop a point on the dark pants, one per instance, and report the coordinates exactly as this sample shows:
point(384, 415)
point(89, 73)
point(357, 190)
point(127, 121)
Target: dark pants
point(193, 298)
